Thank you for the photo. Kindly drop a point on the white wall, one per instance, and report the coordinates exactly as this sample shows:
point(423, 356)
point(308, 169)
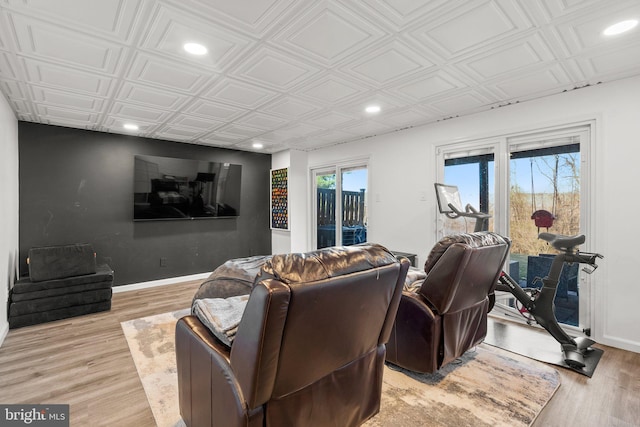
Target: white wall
point(8, 207)
point(403, 168)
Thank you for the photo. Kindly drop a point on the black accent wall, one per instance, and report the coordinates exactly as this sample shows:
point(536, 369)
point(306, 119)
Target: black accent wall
point(76, 186)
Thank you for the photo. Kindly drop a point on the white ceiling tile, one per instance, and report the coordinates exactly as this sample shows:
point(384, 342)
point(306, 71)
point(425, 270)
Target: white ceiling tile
point(357, 108)
point(297, 130)
point(332, 136)
point(116, 124)
point(20, 107)
point(328, 33)
point(559, 8)
point(214, 110)
point(172, 28)
point(54, 97)
point(262, 121)
point(135, 112)
point(54, 43)
point(14, 90)
point(269, 67)
point(331, 119)
point(516, 56)
point(113, 18)
point(239, 94)
point(422, 88)
point(173, 75)
point(150, 96)
point(268, 147)
point(330, 90)
point(542, 81)
point(239, 131)
point(475, 25)
point(212, 140)
point(619, 62)
point(390, 62)
point(224, 137)
point(8, 66)
point(253, 16)
point(367, 127)
point(459, 103)
point(196, 123)
point(172, 132)
point(58, 76)
point(403, 12)
point(405, 117)
point(290, 108)
point(61, 116)
point(585, 33)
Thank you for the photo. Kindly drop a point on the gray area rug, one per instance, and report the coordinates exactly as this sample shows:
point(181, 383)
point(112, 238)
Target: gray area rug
point(485, 387)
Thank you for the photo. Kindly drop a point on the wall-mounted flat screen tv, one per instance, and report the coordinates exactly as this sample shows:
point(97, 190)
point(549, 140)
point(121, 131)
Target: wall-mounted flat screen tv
point(172, 188)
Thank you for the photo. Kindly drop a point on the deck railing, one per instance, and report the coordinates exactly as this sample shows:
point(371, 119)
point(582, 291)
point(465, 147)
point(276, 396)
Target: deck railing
point(353, 211)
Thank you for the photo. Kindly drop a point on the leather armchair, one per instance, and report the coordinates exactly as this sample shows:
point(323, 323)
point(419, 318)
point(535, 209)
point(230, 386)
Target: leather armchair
point(446, 315)
point(309, 350)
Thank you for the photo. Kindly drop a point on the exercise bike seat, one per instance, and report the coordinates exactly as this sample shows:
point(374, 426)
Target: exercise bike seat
point(562, 243)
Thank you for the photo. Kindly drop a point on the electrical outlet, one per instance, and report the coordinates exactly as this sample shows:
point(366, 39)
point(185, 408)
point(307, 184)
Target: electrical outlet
point(163, 262)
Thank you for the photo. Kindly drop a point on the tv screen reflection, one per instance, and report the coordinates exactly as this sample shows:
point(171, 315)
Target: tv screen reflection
point(172, 188)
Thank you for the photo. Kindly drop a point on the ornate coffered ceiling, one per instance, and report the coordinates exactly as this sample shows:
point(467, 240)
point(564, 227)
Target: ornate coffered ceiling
point(297, 74)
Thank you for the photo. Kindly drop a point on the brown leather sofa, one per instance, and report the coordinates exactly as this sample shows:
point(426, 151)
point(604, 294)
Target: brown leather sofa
point(446, 315)
point(309, 350)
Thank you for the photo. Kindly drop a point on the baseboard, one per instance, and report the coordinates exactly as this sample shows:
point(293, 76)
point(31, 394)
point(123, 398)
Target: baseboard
point(621, 343)
point(4, 330)
point(160, 282)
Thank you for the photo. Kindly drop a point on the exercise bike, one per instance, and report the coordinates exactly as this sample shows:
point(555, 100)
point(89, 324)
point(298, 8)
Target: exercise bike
point(538, 303)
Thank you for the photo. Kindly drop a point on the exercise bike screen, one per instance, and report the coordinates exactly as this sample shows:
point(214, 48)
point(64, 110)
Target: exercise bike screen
point(448, 194)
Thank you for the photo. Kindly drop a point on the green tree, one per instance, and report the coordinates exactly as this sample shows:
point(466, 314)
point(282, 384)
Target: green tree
point(326, 181)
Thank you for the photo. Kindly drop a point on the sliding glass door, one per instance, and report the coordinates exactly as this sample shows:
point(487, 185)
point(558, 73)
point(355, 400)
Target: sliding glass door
point(340, 199)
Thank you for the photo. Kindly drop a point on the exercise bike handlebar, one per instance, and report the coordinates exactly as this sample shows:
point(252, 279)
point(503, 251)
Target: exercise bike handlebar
point(469, 211)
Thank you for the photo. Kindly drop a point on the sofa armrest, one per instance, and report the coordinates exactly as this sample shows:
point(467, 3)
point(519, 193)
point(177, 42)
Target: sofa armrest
point(207, 385)
point(256, 347)
point(415, 335)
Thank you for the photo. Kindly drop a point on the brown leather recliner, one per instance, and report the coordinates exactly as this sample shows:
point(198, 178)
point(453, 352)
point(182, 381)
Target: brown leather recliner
point(309, 350)
point(446, 315)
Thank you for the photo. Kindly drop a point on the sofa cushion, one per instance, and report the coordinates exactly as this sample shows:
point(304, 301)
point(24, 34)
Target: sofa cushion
point(55, 262)
point(474, 240)
point(103, 274)
point(326, 263)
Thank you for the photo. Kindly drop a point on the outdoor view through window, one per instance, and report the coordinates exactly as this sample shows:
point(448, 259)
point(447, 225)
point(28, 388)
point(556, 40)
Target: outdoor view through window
point(544, 195)
point(351, 223)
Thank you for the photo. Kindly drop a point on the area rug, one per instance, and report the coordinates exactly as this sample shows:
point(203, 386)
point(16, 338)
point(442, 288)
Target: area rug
point(486, 387)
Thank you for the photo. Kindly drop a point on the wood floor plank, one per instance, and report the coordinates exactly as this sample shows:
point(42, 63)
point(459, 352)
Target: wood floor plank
point(85, 362)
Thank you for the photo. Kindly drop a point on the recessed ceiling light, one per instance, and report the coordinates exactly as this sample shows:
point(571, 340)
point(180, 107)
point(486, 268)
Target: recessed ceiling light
point(372, 109)
point(130, 126)
point(258, 145)
point(620, 27)
point(195, 48)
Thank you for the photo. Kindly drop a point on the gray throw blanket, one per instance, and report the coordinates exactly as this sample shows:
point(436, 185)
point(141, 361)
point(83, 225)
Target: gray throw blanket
point(234, 277)
point(221, 315)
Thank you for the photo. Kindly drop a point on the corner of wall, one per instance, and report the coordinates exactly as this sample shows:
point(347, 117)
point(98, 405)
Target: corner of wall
point(9, 209)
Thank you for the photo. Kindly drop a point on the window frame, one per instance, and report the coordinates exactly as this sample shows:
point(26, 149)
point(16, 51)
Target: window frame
point(501, 146)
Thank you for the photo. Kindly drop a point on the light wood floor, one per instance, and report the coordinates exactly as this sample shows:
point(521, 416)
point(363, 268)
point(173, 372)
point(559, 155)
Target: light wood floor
point(85, 362)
